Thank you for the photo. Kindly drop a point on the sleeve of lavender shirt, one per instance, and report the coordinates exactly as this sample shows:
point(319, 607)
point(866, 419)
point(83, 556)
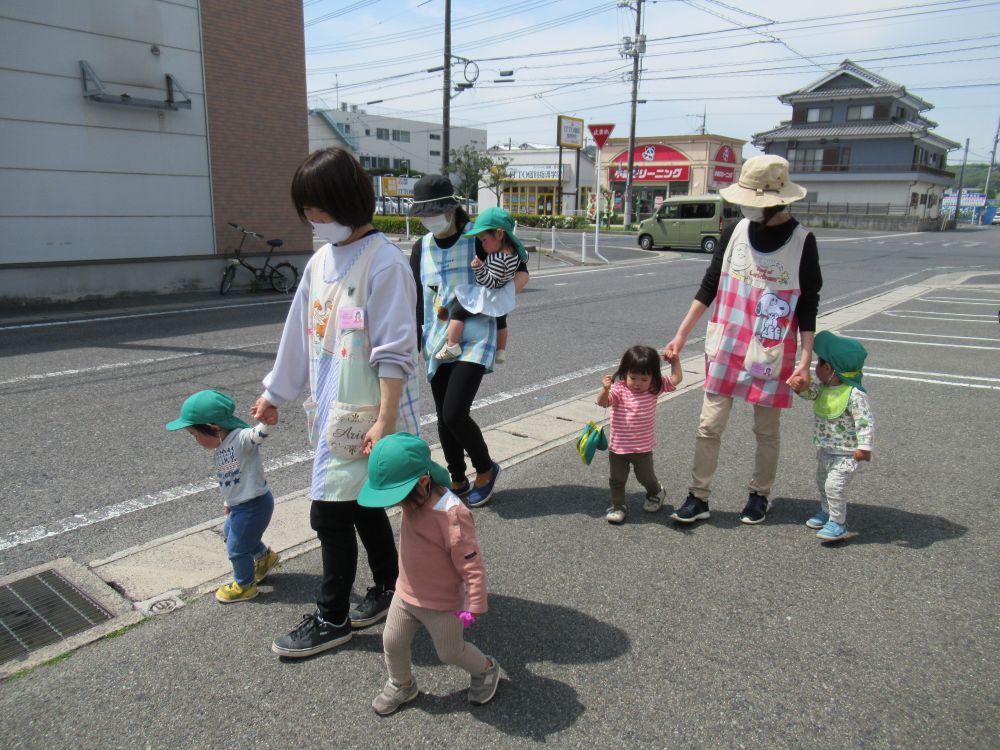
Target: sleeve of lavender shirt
point(290, 372)
point(392, 323)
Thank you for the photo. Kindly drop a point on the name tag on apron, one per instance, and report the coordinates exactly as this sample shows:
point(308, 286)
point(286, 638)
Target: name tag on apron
point(352, 319)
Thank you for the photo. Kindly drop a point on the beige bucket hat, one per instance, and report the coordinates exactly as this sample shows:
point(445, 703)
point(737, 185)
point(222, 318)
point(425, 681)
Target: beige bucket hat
point(764, 182)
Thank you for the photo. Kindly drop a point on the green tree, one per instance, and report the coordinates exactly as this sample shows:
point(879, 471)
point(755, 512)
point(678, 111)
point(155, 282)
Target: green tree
point(497, 176)
point(471, 167)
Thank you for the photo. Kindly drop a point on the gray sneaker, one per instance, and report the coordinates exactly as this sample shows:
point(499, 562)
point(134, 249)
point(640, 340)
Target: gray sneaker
point(393, 696)
point(483, 686)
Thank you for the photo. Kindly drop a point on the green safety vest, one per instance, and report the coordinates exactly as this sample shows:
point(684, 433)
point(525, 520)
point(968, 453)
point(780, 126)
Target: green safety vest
point(832, 400)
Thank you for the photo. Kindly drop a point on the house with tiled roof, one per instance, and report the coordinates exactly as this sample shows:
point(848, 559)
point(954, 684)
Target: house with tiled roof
point(858, 138)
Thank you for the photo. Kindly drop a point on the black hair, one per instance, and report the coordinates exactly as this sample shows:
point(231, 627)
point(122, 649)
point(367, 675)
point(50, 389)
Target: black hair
point(462, 218)
point(206, 429)
point(771, 211)
point(333, 181)
point(821, 361)
point(643, 360)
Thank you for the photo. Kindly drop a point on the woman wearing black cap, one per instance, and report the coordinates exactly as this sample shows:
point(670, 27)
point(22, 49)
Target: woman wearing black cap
point(441, 261)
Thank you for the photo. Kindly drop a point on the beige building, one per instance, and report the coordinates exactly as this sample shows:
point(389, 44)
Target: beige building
point(666, 165)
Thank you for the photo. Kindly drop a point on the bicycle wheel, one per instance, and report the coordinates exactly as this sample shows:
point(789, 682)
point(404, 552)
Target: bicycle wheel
point(227, 280)
point(284, 277)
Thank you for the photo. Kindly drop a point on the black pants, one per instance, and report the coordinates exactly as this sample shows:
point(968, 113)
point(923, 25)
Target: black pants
point(454, 387)
point(458, 312)
point(335, 524)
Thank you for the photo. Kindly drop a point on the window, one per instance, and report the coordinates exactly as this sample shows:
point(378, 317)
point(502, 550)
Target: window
point(383, 162)
point(811, 197)
point(435, 153)
point(368, 131)
point(382, 134)
point(805, 159)
point(697, 210)
point(401, 135)
point(914, 198)
point(819, 114)
point(366, 162)
point(861, 112)
point(900, 113)
point(434, 136)
point(401, 164)
point(923, 199)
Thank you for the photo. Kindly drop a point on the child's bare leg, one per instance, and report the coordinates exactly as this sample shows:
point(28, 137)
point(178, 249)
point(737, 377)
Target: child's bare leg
point(502, 339)
point(455, 328)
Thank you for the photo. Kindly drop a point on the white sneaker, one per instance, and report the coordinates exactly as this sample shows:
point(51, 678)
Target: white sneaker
point(501, 356)
point(655, 502)
point(449, 352)
point(616, 515)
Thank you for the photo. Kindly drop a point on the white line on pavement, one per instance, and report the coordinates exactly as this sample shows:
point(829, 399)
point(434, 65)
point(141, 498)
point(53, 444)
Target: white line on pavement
point(929, 343)
point(824, 240)
point(987, 303)
point(962, 299)
point(870, 288)
point(105, 318)
point(936, 382)
point(136, 363)
point(935, 374)
point(926, 317)
point(947, 315)
point(922, 335)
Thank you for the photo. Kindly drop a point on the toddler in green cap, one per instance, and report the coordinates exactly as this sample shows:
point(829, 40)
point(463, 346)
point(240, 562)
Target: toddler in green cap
point(844, 427)
point(208, 417)
point(492, 294)
point(442, 578)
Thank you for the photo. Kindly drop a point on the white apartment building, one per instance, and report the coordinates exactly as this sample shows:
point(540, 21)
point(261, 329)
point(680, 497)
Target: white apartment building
point(391, 143)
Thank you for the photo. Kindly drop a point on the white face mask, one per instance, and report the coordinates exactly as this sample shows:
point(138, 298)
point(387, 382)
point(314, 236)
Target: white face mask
point(755, 215)
point(436, 224)
point(332, 232)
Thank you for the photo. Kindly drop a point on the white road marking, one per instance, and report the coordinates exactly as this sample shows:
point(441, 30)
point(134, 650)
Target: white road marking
point(109, 512)
point(870, 288)
point(963, 299)
point(936, 382)
point(935, 374)
point(562, 283)
point(105, 318)
point(956, 302)
point(863, 239)
point(947, 315)
point(925, 317)
point(922, 335)
point(930, 343)
point(136, 363)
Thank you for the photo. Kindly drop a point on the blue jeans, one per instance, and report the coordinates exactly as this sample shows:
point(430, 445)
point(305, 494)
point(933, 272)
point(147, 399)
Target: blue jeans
point(244, 527)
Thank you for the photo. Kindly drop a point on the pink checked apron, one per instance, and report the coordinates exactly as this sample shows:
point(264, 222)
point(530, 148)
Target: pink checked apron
point(751, 341)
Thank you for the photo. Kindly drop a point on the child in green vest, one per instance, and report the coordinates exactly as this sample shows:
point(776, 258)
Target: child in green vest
point(845, 427)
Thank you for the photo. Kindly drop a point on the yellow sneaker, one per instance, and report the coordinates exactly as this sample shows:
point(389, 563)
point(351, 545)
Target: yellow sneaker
point(233, 592)
point(265, 565)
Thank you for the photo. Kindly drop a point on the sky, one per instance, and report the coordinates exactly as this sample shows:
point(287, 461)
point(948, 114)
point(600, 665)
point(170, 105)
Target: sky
point(724, 61)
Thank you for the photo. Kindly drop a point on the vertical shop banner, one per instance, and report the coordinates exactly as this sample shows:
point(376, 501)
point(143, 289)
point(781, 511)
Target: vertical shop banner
point(569, 132)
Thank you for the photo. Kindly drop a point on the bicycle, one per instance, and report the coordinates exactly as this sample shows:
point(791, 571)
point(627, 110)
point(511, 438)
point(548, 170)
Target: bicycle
point(282, 276)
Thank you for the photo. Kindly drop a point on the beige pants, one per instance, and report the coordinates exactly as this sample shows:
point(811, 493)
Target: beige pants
point(445, 629)
point(714, 416)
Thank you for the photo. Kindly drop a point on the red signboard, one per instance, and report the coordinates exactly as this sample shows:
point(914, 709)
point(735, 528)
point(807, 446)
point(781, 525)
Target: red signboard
point(650, 153)
point(726, 155)
point(601, 134)
point(723, 174)
point(649, 174)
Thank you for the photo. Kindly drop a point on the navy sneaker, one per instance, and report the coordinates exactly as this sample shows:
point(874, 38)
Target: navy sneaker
point(463, 490)
point(481, 495)
point(755, 510)
point(694, 509)
point(374, 608)
point(312, 635)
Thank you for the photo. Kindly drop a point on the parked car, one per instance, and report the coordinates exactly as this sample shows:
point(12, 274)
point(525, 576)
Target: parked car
point(688, 222)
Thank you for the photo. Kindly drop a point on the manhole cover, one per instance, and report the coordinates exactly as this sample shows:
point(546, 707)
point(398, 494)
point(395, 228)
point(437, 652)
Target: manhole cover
point(43, 609)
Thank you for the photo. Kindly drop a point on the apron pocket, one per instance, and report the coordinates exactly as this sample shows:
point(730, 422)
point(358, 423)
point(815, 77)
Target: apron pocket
point(713, 338)
point(346, 427)
point(763, 363)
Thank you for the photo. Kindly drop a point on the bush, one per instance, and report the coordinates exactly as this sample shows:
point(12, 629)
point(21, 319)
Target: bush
point(396, 224)
point(545, 222)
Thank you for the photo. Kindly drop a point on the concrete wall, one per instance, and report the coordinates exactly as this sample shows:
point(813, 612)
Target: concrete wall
point(82, 180)
point(861, 221)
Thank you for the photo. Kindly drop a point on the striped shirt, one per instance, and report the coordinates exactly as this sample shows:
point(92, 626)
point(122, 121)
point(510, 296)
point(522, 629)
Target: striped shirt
point(633, 418)
point(497, 269)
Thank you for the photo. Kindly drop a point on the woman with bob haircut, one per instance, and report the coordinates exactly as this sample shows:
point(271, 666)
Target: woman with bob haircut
point(351, 337)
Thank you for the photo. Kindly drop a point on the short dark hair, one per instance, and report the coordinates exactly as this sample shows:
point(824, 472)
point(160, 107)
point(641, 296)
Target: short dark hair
point(643, 360)
point(333, 181)
point(209, 430)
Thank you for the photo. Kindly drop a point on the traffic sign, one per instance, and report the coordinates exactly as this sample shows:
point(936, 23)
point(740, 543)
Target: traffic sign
point(601, 133)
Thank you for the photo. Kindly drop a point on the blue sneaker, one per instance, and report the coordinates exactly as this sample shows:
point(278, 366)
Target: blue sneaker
point(818, 521)
point(466, 488)
point(831, 532)
point(482, 495)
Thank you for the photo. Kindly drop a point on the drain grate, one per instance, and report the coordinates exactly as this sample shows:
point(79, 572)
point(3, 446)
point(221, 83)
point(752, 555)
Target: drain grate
point(41, 610)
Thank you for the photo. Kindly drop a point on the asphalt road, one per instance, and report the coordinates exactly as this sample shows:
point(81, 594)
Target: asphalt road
point(650, 634)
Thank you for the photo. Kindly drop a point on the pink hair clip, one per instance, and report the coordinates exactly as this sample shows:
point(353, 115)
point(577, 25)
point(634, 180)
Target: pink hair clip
point(467, 618)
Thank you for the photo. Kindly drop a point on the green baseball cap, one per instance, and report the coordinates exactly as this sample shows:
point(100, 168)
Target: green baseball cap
point(395, 466)
point(208, 407)
point(846, 356)
point(497, 218)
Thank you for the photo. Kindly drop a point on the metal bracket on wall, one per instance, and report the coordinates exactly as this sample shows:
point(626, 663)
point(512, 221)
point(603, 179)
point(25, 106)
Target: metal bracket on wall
point(93, 89)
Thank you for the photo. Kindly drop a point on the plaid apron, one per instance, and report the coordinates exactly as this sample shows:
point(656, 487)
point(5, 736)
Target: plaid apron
point(441, 271)
point(344, 385)
point(751, 341)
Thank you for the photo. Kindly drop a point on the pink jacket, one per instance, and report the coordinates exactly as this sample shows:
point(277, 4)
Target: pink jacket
point(440, 564)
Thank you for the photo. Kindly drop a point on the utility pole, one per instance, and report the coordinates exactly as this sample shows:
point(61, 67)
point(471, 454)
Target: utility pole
point(961, 183)
point(993, 156)
point(637, 47)
point(446, 119)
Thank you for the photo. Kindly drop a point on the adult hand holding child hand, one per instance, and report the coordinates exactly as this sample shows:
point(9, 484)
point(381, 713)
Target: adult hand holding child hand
point(862, 455)
point(264, 411)
point(673, 349)
point(476, 263)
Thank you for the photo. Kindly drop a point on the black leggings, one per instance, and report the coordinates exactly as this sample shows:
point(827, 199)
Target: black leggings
point(454, 387)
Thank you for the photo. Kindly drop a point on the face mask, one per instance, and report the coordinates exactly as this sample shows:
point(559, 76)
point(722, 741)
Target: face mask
point(756, 215)
point(436, 224)
point(332, 232)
